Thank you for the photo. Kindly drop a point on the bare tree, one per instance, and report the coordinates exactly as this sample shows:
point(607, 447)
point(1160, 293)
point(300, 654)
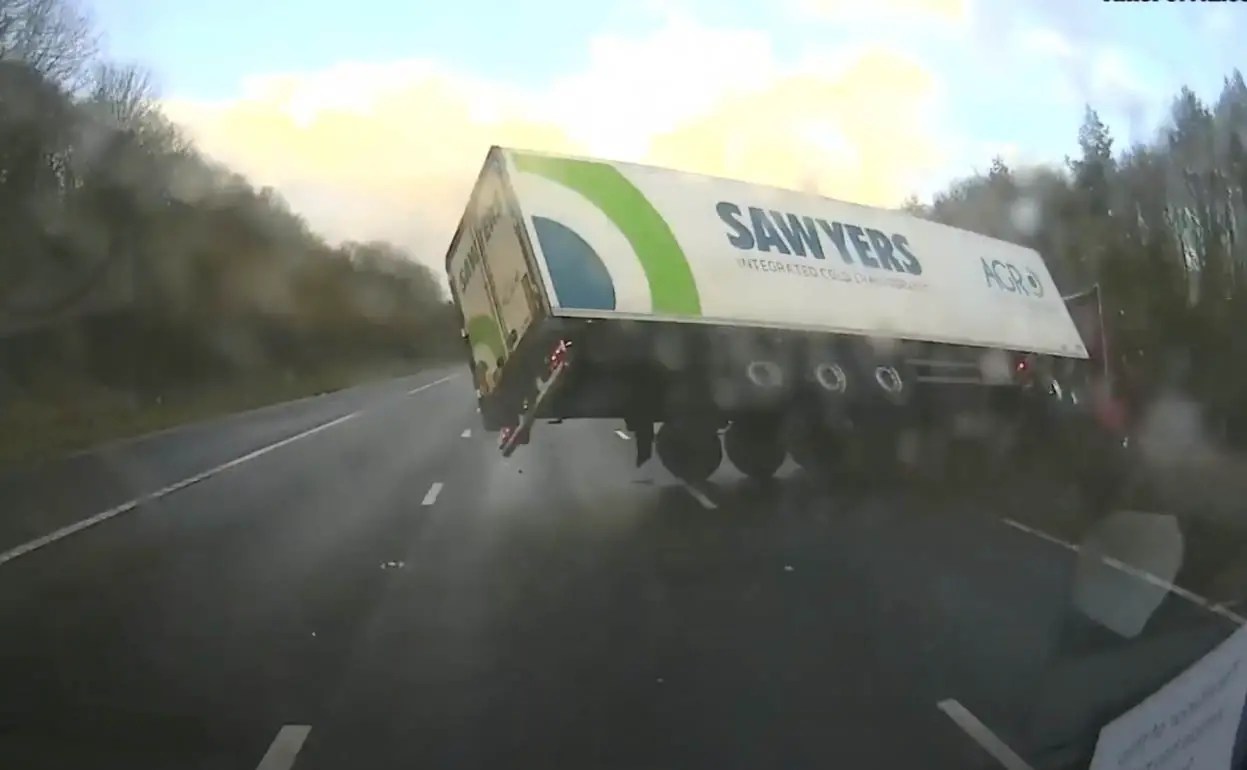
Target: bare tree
point(54, 37)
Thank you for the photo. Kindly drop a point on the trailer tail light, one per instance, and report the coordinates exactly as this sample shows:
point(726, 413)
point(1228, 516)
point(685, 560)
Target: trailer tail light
point(513, 435)
point(559, 356)
point(1024, 370)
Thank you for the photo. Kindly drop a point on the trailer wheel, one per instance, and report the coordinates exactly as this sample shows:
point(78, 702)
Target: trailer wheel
point(689, 453)
point(893, 382)
point(889, 378)
point(754, 448)
point(817, 451)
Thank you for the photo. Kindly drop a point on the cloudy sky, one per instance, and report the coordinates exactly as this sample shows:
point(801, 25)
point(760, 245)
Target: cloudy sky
point(373, 116)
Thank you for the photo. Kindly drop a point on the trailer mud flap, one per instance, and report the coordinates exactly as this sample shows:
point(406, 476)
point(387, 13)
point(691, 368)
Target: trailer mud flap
point(643, 432)
point(521, 433)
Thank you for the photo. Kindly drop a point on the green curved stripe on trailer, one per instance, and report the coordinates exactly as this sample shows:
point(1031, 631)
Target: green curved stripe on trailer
point(483, 331)
point(673, 289)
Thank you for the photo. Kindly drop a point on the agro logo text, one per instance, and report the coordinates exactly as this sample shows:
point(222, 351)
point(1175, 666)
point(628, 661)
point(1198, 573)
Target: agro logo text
point(1007, 276)
point(796, 235)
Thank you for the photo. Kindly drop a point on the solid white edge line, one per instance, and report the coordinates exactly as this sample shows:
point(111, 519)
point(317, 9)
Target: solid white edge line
point(285, 748)
point(127, 441)
point(434, 491)
point(428, 385)
point(982, 735)
point(622, 435)
point(700, 497)
point(91, 521)
point(1135, 572)
point(1039, 534)
point(40, 542)
point(78, 526)
point(1148, 577)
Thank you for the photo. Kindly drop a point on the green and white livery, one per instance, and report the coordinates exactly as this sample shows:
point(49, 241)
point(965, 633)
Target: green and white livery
point(621, 240)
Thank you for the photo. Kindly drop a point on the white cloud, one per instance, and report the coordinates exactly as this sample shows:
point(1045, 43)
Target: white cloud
point(1219, 21)
point(636, 88)
point(391, 150)
point(1048, 42)
point(1129, 89)
point(952, 12)
point(1112, 71)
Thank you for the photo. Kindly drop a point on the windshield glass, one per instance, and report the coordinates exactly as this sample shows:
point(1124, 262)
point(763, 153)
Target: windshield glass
point(623, 385)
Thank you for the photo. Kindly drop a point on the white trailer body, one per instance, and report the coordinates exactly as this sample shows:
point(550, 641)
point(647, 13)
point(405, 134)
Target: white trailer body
point(592, 289)
point(621, 240)
point(489, 274)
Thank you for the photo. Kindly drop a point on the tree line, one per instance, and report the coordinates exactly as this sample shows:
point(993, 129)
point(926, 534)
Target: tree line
point(131, 260)
point(1160, 227)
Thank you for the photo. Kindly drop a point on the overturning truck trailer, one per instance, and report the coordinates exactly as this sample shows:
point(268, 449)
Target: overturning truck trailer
point(594, 289)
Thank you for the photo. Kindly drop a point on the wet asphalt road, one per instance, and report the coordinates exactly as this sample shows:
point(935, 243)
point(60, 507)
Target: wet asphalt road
point(360, 580)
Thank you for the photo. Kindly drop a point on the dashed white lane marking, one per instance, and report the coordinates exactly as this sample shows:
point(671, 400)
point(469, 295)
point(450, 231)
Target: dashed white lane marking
point(700, 497)
point(285, 748)
point(622, 435)
point(65, 532)
point(467, 433)
point(103, 516)
point(1135, 572)
point(982, 735)
point(431, 496)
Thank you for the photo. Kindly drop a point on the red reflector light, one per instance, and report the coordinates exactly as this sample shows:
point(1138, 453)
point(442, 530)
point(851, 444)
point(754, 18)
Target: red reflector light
point(560, 353)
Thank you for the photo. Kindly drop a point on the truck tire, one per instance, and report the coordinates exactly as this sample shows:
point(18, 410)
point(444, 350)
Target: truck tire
point(831, 378)
point(894, 381)
point(690, 453)
point(817, 451)
point(754, 448)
